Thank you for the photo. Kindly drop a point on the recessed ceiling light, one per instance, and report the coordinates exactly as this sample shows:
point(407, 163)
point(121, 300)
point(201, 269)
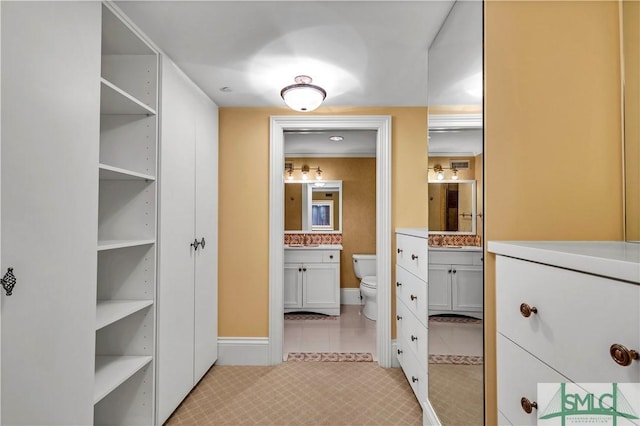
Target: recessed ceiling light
point(226, 89)
point(336, 138)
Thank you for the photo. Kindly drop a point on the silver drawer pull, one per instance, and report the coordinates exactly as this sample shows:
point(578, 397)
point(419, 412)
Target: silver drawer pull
point(527, 405)
point(623, 356)
point(527, 310)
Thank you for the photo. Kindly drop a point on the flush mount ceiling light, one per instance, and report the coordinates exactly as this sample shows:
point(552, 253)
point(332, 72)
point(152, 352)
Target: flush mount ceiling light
point(303, 96)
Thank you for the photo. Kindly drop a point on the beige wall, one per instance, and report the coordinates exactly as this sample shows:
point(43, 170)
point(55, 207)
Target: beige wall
point(631, 13)
point(244, 204)
point(293, 207)
point(552, 108)
point(358, 176)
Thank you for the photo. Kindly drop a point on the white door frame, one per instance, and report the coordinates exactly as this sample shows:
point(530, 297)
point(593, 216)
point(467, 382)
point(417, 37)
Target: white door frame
point(380, 123)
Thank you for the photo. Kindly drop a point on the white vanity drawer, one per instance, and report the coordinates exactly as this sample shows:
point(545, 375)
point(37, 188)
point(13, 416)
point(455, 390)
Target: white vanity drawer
point(579, 316)
point(330, 256)
point(518, 376)
point(416, 376)
point(303, 256)
point(414, 335)
point(451, 257)
point(413, 292)
point(411, 254)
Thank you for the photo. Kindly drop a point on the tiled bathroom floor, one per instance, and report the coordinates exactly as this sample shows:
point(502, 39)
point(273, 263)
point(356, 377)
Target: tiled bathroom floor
point(448, 338)
point(351, 332)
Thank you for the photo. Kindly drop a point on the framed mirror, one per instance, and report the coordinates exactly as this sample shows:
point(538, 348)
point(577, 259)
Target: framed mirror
point(313, 207)
point(452, 207)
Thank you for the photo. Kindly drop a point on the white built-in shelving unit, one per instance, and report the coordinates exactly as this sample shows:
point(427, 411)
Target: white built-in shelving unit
point(126, 247)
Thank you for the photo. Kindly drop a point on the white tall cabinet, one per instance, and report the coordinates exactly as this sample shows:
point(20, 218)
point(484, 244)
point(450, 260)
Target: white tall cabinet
point(50, 137)
point(187, 305)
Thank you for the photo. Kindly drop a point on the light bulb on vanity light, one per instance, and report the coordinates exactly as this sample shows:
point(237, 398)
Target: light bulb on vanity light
point(319, 174)
point(454, 174)
point(440, 175)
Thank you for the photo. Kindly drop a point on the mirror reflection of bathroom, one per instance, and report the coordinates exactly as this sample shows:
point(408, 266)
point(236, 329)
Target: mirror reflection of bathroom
point(330, 243)
point(455, 267)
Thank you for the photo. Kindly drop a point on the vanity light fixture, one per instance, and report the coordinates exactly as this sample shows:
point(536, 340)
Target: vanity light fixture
point(304, 171)
point(303, 96)
point(439, 171)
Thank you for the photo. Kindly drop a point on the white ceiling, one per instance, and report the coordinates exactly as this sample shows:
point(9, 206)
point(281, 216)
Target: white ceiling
point(356, 143)
point(363, 53)
point(457, 142)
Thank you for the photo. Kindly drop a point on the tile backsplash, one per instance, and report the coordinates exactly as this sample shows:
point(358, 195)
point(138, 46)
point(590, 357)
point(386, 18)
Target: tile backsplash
point(455, 240)
point(313, 238)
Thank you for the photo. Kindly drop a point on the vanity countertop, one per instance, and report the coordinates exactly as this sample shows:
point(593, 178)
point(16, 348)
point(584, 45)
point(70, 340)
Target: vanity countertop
point(313, 247)
point(414, 232)
point(615, 259)
point(455, 248)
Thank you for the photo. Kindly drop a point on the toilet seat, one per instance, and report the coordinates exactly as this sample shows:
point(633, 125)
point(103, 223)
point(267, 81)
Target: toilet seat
point(370, 282)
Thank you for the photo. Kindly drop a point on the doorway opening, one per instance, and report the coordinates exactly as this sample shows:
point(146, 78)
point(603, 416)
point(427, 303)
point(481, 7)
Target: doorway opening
point(382, 126)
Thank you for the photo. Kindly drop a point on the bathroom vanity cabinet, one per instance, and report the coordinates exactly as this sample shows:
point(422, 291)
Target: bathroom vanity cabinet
point(411, 308)
point(455, 281)
point(566, 312)
point(312, 279)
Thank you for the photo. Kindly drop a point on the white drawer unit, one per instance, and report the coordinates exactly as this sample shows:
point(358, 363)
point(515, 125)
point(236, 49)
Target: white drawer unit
point(312, 280)
point(411, 254)
point(413, 292)
point(456, 282)
point(413, 333)
point(411, 308)
point(566, 312)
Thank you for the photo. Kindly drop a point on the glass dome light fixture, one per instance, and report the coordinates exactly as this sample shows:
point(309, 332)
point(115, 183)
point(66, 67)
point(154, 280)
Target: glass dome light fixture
point(303, 96)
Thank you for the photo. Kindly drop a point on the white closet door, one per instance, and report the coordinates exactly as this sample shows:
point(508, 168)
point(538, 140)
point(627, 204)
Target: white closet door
point(176, 233)
point(206, 211)
point(50, 138)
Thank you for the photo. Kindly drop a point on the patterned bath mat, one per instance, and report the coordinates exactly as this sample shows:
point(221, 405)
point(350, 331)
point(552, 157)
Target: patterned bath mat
point(456, 319)
point(330, 357)
point(301, 316)
point(456, 359)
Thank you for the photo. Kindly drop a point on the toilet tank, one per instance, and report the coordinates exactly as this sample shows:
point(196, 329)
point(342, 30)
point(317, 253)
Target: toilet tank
point(364, 265)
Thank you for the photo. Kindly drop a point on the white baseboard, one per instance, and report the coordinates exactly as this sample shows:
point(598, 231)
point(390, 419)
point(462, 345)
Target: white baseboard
point(350, 296)
point(429, 416)
point(243, 351)
point(394, 354)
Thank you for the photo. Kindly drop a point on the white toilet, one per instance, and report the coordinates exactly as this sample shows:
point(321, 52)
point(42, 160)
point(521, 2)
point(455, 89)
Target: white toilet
point(364, 265)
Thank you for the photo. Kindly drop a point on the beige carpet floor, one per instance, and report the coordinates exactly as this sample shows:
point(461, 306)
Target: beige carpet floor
point(301, 393)
point(456, 394)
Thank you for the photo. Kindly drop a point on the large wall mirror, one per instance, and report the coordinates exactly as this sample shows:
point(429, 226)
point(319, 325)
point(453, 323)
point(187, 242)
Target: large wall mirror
point(631, 61)
point(313, 207)
point(455, 150)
